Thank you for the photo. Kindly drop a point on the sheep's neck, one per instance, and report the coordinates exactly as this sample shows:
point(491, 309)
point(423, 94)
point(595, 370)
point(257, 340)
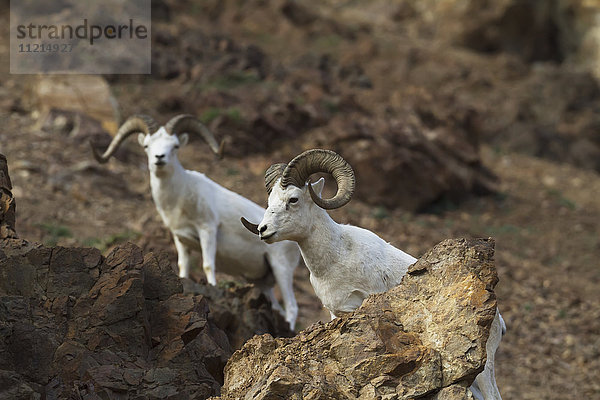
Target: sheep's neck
point(168, 182)
point(321, 247)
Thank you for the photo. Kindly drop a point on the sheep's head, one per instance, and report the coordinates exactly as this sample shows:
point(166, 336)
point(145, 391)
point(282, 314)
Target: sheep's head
point(292, 197)
point(160, 145)
point(161, 149)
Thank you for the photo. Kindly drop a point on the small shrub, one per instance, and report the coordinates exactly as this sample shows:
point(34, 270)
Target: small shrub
point(54, 232)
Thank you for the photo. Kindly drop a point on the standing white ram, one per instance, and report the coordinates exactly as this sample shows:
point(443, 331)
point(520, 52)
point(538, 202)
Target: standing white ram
point(203, 215)
point(346, 263)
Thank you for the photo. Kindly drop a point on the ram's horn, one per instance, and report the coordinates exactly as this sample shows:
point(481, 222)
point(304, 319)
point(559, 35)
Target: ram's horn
point(250, 226)
point(190, 124)
point(273, 173)
point(134, 124)
point(299, 170)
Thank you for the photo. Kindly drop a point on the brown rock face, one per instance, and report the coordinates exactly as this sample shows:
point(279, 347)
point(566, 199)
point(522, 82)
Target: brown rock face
point(423, 339)
point(76, 325)
point(399, 163)
point(241, 311)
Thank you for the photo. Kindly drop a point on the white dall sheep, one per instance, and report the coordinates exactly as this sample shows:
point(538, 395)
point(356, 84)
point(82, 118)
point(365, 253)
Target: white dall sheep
point(204, 216)
point(346, 263)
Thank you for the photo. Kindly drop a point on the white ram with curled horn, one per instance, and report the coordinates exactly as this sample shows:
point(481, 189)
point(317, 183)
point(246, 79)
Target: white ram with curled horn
point(204, 216)
point(346, 263)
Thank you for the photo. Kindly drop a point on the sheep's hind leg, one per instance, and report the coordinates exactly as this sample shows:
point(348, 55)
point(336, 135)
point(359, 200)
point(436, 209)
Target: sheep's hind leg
point(284, 276)
point(184, 260)
point(270, 293)
point(484, 387)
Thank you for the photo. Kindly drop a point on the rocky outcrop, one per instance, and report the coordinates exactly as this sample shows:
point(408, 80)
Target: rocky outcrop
point(241, 311)
point(423, 339)
point(562, 30)
point(75, 324)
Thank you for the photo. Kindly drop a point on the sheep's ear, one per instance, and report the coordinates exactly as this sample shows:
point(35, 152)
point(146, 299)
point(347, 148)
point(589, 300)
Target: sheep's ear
point(141, 138)
point(183, 139)
point(318, 186)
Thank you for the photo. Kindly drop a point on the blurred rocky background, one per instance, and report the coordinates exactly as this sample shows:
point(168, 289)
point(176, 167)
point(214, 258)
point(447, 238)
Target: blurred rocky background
point(460, 118)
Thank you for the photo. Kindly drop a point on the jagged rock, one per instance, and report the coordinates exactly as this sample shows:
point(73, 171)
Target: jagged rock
point(73, 323)
point(423, 339)
point(241, 311)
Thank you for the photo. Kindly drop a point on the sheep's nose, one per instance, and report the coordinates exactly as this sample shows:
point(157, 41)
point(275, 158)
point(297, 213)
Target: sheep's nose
point(262, 229)
point(160, 156)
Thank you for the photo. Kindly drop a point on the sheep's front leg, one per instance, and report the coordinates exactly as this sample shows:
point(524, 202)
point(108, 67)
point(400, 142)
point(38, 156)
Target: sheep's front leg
point(208, 242)
point(484, 387)
point(184, 259)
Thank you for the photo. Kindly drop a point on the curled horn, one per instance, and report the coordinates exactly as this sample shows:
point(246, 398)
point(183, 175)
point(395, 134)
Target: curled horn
point(273, 173)
point(250, 226)
point(191, 124)
point(304, 165)
point(134, 124)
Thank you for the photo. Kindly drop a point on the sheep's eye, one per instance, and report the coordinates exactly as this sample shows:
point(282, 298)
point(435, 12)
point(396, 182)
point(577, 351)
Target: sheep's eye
point(293, 200)
point(146, 146)
point(177, 146)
